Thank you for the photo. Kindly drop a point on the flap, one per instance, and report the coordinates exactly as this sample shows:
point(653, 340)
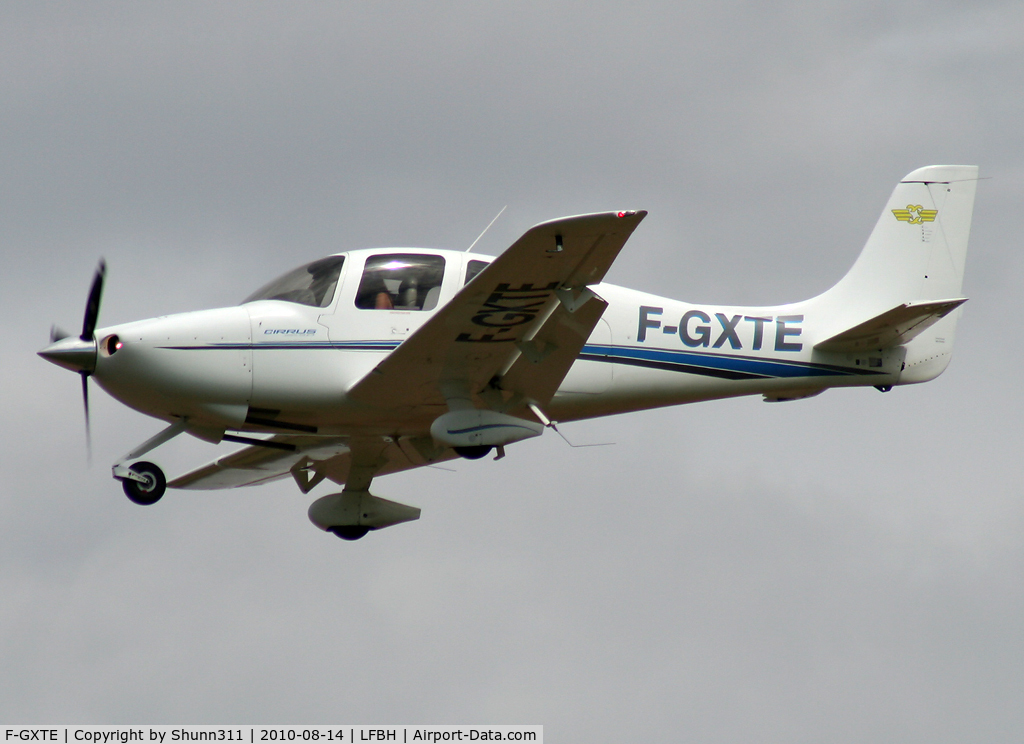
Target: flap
point(546, 358)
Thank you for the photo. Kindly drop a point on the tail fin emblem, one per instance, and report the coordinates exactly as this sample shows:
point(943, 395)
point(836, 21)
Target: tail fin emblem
point(915, 214)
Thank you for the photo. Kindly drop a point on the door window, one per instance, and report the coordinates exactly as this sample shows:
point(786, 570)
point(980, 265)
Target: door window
point(400, 281)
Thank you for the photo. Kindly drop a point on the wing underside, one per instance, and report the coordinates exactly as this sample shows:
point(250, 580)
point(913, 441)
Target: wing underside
point(314, 460)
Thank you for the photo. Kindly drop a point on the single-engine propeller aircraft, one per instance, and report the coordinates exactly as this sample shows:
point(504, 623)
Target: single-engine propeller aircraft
point(375, 361)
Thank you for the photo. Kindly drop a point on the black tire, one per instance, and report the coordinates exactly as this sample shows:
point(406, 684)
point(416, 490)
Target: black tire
point(472, 453)
point(145, 494)
point(349, 532)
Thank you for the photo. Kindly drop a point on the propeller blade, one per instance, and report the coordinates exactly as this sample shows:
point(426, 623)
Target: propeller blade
point(92, 305)
point(85, 403)
point(57, 334)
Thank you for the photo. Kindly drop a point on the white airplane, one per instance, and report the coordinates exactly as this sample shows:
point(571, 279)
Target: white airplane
point(374, 361)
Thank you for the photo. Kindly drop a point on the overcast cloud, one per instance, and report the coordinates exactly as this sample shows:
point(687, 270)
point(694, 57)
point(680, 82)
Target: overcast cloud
point(845, 569)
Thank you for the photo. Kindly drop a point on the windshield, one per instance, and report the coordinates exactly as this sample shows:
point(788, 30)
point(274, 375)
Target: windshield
point(312, 284)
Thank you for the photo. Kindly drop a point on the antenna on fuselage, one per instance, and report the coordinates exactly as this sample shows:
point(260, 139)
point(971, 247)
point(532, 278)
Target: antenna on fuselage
point(486, 229)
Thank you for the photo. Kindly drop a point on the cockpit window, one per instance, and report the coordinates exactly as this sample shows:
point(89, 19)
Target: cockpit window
point(312, 284)
point(400, 281)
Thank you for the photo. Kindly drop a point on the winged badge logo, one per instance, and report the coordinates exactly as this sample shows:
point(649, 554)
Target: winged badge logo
point(915, 214)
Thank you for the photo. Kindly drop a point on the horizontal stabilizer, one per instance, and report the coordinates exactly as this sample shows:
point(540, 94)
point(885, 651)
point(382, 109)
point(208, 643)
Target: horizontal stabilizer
point(893, 327)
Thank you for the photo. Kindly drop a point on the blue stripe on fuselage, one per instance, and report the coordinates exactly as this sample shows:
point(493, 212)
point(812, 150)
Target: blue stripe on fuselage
point(726, 366)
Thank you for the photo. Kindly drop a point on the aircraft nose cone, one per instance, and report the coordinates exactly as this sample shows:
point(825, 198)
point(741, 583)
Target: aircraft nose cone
point(72, 353)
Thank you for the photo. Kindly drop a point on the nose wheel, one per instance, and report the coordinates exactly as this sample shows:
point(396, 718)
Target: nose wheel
point(143, 482)
point(149, 485)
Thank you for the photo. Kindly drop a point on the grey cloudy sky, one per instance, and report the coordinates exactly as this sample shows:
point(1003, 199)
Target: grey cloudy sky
point(845, 569)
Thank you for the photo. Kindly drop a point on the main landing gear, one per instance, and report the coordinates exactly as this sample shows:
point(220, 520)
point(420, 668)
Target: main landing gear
point(473, 452)
point(349, 532)
point(354, 512)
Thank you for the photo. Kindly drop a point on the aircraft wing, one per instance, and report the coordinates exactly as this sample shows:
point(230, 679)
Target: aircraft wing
point(313, 459)
point(483, 330)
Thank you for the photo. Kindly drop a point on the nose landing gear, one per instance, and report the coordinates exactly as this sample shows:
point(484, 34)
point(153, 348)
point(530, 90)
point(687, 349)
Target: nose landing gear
point(149, 488)
point(143, 482)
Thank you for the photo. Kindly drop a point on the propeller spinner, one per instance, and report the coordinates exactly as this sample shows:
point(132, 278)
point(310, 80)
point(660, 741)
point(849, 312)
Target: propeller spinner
point(79, 354)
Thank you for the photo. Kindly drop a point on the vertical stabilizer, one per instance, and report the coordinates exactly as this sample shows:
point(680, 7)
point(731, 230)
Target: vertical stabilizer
point(915, 255)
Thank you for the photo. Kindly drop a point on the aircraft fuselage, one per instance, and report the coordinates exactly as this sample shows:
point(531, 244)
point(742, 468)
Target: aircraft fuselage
point(276, 365)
